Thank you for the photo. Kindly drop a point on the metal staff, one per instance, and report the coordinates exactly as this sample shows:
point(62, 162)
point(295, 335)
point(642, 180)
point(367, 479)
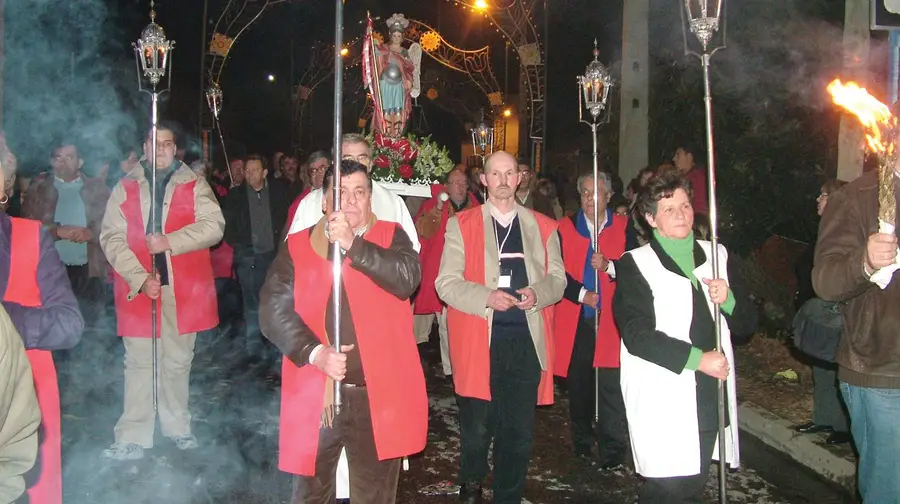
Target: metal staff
point(337, 261)
point(153, 55)
point(214, 100)
point(595, 85)
point(702, 17)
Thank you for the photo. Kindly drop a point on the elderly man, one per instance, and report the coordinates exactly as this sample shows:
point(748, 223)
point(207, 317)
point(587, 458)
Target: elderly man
point(431, 223)
point(188, 222)
point(501, 276)
point(385, 408)
point(582, 349)
point(856, 257)
point(313, 174)
point(386, 205)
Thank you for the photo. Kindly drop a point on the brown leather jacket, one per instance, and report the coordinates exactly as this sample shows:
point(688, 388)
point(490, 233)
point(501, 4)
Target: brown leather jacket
point(396, 270)
point(40, 204)
point(869, 352)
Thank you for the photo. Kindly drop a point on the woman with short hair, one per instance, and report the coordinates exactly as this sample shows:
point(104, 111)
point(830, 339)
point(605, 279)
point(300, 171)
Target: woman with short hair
point(670, 366)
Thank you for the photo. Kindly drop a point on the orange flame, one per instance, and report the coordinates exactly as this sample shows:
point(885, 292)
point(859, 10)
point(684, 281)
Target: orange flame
point(875, 116)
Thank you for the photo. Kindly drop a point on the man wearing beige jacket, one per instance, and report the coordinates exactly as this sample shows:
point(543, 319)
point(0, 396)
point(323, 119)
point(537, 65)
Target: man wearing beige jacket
point(188, 222)
point(19, 413)
point(501, 276)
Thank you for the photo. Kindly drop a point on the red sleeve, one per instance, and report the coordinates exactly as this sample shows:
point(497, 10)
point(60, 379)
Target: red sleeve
point(701, 196)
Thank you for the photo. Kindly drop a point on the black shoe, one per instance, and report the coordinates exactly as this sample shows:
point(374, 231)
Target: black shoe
point(610, 466)
point(470, 493)
point(812, 428)
point(838, 438)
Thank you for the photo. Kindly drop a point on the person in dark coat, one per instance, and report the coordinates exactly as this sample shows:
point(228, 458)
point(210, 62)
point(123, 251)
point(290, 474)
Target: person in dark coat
point(829, 412)
point(255, 214)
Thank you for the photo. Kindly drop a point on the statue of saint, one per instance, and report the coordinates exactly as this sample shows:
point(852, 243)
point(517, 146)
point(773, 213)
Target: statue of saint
point(398, 70)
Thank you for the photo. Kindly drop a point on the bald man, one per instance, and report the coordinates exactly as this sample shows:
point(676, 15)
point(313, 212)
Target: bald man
point(501, 276)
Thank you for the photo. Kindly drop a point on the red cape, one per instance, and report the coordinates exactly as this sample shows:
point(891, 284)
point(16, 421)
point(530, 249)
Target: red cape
point(575, 249)
point(394, 379)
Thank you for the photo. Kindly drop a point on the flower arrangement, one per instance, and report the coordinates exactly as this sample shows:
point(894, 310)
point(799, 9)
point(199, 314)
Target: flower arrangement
point(409, 160)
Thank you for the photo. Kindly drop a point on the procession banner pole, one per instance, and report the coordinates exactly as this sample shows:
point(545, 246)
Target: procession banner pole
point(337, 261)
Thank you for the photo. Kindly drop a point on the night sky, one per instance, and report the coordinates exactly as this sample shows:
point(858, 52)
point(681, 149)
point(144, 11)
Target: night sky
point(257, 115)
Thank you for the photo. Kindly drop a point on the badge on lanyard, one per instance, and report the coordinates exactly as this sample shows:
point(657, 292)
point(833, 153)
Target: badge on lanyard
point(505, 278)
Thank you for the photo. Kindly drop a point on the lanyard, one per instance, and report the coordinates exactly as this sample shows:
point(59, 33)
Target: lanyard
point(500, 244)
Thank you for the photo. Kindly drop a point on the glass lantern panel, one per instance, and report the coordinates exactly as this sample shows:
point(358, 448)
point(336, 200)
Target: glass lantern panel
point(163, 56)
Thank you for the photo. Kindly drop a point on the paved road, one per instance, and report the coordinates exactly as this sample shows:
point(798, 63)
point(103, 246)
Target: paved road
point(235, 407)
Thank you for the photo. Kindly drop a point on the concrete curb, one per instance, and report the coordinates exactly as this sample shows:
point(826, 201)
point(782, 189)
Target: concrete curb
point(777, 433)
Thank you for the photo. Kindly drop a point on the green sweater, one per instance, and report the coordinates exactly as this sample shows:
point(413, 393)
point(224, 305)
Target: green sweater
point(682, 252)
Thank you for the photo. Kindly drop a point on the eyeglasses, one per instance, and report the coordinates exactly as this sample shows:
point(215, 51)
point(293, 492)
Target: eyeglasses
point(361, 159)
point(320, 169)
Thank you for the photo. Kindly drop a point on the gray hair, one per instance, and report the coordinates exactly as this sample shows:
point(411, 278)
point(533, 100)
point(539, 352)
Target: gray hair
point(317, 155)
point(602, 177)
point(356, 138)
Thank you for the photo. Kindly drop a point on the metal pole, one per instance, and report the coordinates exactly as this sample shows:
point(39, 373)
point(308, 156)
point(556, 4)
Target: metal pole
point(337, 261)
point(543, 152)
point(714, 238)
point(203, 47)
point(594, 240)
point(154, 306)
point(224, 151)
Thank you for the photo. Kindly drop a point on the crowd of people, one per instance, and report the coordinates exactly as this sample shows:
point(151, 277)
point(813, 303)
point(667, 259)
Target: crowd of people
point(619, 308)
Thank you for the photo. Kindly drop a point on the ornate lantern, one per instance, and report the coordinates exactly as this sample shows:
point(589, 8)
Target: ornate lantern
point(214, 99)
point(153, 51)
point(595, 86)
point(483, 139)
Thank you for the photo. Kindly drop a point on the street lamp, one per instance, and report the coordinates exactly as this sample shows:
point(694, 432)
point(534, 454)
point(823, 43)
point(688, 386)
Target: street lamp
point(704, 19)
point(593, 95)
point(481, 5)
point(153, 55)
point(214, 101)
point(483, 140)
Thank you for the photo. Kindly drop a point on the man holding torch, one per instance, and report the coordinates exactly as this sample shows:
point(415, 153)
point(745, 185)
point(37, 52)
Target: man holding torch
point(189, 222)
point(384, 413)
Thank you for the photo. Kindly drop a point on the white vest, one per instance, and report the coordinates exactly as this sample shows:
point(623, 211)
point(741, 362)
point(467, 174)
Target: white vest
point(662, 406)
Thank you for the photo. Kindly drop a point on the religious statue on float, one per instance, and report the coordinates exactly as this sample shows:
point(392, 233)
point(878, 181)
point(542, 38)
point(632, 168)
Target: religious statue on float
point(392, 75)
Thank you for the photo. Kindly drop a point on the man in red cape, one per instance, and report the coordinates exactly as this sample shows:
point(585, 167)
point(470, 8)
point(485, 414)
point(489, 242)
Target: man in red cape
point(582, 350)
point(501, 276)
point(431, 224)
point(384, 414)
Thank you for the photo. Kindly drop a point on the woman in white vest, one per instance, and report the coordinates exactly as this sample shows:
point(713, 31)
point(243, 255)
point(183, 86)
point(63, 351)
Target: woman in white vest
point(663, 306)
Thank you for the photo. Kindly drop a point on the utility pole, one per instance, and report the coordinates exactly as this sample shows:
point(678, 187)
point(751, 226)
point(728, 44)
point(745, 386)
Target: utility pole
point(635, 89)
point(851, 144)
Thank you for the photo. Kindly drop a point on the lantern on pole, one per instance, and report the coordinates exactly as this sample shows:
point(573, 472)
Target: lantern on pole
point(153, 56)
point(705, 19)
point(593, 96)
point(483, 140)
point(214, 101)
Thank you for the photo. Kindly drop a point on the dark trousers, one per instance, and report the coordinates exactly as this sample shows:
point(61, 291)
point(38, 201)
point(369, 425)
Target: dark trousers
point(612, 426)
point(372, 481)
point(89, 292)
point(682, 489)
point(507, 419)
point(251, 272)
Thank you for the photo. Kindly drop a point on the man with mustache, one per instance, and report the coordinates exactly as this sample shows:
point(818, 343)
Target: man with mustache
point(501, 276)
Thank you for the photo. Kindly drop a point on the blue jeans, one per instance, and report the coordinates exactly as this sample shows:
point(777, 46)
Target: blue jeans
point(875, 425)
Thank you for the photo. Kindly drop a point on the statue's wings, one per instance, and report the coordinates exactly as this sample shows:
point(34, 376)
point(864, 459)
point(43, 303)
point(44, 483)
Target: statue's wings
point(415, 55)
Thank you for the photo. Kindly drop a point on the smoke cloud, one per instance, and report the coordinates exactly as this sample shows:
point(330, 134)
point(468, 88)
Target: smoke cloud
point(68, 75)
